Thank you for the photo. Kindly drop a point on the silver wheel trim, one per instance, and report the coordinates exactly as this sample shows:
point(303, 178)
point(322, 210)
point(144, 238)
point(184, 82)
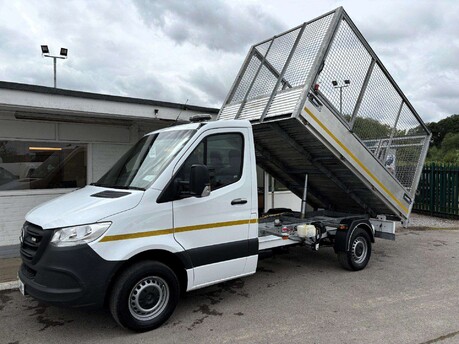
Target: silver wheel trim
point(359, 244)
point(145, 288)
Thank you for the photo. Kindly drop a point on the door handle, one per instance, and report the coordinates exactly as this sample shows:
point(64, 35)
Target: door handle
point(238, 201)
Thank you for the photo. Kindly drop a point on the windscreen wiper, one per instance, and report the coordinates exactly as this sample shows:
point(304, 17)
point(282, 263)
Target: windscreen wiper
point(122, 187)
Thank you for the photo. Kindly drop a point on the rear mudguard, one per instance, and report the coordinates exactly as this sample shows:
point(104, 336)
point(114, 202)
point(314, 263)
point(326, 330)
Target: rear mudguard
point(343, 236)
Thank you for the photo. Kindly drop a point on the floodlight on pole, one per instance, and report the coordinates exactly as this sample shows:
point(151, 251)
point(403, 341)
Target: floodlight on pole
point(336, 85)
point(62, 55)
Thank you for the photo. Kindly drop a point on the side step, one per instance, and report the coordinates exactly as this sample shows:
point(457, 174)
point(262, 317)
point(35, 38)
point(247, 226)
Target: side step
point(272, 241)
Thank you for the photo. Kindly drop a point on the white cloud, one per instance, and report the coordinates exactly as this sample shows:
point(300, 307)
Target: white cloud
point(220, 25)
point(175, 50)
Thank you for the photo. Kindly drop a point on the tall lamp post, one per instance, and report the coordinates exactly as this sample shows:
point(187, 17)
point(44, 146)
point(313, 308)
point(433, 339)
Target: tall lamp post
point(336, 85)
point(62, 55)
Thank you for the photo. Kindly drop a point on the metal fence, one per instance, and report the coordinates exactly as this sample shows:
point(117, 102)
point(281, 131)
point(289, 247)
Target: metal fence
point(438, 191)
point(330, 51)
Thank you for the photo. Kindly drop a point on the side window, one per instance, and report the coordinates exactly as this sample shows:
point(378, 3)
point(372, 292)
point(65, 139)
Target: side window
point(197, 157)
point(224, 157)
point(222, 154)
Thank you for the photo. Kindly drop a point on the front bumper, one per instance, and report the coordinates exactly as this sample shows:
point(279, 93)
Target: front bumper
point(68, 276)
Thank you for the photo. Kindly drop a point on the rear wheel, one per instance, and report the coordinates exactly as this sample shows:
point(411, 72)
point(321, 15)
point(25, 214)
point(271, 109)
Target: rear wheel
point(359, 252)
point(144, 296)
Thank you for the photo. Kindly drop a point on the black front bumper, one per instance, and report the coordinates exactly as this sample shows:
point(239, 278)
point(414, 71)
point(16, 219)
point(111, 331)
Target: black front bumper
point(67, 276)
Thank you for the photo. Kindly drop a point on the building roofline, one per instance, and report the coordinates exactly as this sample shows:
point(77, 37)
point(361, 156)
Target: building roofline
point(98, 96)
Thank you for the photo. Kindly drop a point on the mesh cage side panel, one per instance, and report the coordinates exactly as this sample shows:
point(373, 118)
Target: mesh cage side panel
point(249, 74)
point(264, 83)
point(408, 124)
point(281, 48)
point(379, 108)
point(347, 59)
point(263, 47)
point(404, 156)
point(409, 140)
point(275, 60)
point(305, 54)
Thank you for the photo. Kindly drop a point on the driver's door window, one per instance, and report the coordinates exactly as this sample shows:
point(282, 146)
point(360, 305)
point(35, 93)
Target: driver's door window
point(223, 156)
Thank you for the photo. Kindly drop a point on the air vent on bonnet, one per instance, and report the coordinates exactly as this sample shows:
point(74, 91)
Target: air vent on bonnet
point(111, 194)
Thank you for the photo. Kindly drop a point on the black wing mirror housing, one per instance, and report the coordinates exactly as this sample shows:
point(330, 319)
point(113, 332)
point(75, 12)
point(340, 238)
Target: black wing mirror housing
point(199, 181)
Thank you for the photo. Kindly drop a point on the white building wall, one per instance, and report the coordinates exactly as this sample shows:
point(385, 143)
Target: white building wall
point(105, 145)
point(13, 209)
point(283, 199)
point(104, 156)
point(278, 199)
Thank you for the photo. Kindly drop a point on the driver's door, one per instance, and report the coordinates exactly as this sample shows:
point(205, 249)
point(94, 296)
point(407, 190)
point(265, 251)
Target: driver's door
point(214, 230)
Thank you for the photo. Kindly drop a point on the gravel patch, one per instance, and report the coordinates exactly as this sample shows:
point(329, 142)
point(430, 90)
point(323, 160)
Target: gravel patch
point(424, 222)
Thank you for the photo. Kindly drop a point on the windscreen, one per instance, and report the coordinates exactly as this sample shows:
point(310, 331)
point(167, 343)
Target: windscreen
point(143, 163)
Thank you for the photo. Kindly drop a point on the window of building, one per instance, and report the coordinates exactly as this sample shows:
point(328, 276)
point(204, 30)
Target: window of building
point(26, 165)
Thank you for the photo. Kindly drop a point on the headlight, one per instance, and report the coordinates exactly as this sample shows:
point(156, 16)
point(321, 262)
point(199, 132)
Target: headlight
point(72, 236)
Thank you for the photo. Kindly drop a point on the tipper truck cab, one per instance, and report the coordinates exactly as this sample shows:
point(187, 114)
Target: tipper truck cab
point(179, 211)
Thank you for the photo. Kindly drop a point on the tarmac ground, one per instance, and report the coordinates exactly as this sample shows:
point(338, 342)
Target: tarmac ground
point(409, 293)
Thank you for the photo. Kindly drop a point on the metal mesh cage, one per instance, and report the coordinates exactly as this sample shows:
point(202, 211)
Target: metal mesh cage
point(285, 60)
point(353, 84)
point(406, 154)
point(409, 140)
point(305, 53)
point(276, 58)
point(408, 125)
point(262, 48)
point(347, 60)
point(247, 78)
point(379, 108)
point(251, 71)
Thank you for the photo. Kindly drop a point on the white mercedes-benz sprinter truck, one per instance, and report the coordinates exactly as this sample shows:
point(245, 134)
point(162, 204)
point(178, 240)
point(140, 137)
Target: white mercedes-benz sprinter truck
point(179, 211)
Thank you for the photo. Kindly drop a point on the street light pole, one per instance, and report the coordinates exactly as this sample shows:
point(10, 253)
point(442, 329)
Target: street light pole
point(335, 85)
point(340, 96)
point(62, 55)
point(54, 62)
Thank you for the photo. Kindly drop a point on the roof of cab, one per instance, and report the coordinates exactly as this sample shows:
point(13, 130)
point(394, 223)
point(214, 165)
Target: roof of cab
point(207, 125)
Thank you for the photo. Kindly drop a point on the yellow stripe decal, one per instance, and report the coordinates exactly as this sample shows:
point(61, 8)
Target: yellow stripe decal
point(355, 159)
point(177, 230)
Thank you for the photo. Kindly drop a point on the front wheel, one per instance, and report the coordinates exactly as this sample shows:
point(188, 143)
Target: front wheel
point(359, 252)
point(144, 296)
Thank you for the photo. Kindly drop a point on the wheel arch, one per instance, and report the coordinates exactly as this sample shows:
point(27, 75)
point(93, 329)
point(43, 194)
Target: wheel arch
point(176, 261)
point(343, 237)
point(366, 226)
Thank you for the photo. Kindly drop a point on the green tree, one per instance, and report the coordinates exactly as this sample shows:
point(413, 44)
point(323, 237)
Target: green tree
point(450, 147)
point(445, 140)
point(368, 128)
point(447, 152)
point(441, 128)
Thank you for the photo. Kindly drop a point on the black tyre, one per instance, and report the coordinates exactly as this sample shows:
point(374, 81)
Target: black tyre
point(144, 296)
point(359, 252)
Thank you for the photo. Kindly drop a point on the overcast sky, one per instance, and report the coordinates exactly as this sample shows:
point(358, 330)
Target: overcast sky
point(177, 50)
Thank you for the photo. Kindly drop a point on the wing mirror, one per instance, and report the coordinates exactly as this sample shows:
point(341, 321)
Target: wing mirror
point(199, 181)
